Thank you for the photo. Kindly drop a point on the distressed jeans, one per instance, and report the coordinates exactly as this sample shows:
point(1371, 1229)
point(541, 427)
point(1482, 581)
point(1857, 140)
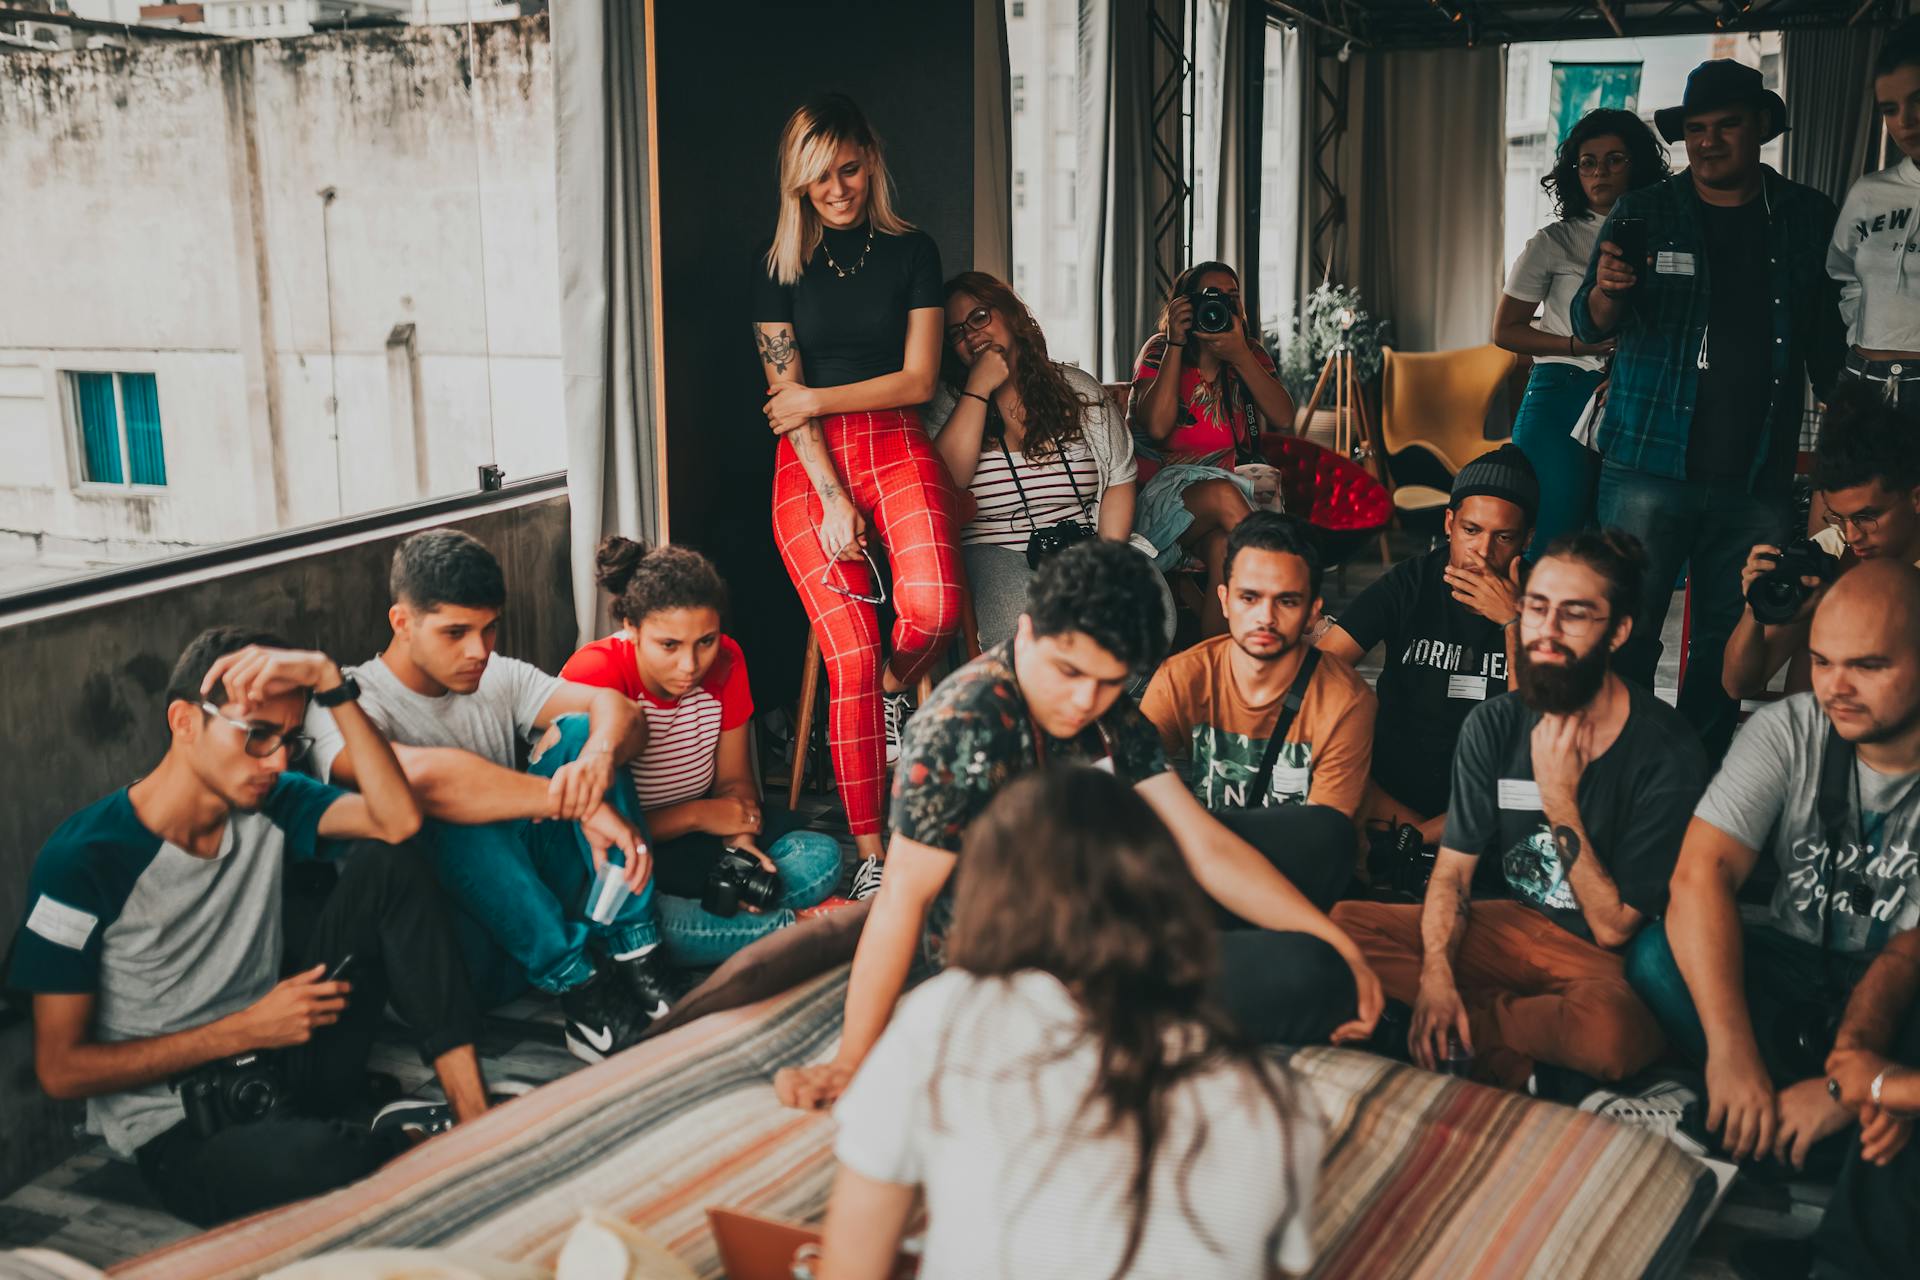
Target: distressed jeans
point(523, 888)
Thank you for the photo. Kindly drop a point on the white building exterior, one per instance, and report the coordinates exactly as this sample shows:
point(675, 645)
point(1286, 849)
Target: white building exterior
point(311, 356)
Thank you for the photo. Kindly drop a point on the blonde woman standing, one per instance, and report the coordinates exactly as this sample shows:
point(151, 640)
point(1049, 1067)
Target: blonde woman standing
point(847, 314)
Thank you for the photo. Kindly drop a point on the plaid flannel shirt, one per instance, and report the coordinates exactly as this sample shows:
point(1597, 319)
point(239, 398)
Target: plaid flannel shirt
point(1662, 332)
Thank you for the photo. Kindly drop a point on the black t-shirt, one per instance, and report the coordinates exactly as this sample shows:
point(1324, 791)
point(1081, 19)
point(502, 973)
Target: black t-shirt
point(1442, 661)
point(1635, 802)
point(852, 328)
point(1736, 387)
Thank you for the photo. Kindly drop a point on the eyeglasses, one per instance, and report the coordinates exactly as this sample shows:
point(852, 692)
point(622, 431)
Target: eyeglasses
point(977, 319)
point(1862, 521)
point(1610, 161)
point(873, 571)
point(1574, 619)
point(262, 742)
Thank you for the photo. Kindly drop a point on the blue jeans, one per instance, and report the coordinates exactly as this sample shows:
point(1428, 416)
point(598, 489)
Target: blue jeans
point(1709, 527)
point(809, 863)
point(525, 885)
point(1556, 393)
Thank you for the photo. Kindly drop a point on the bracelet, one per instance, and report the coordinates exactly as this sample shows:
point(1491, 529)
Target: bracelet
point(1570, 350)
point(976, 395)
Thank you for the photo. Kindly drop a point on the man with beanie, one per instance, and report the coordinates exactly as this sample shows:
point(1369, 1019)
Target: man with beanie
point(1720, 322)
point(1446, 618)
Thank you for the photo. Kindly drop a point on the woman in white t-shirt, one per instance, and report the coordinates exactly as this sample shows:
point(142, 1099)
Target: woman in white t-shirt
point(1036, 445)
point(1065, 1092)
point(1605, 155)
point(694, 779)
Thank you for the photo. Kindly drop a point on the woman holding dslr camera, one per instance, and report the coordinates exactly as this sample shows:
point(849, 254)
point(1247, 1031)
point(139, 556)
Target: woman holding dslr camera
point(1038, 446)
point(1201, 389)
point(719, 889)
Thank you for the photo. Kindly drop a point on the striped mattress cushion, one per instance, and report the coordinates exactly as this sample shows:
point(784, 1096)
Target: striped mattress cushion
point(1425, 1176)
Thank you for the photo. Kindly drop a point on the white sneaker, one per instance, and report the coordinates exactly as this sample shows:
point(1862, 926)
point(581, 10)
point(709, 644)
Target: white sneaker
point(1661, 1108)
point(866, 879)
point(899, 709)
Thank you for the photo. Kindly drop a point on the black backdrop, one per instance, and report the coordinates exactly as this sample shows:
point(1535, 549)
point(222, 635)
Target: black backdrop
point(723, 99)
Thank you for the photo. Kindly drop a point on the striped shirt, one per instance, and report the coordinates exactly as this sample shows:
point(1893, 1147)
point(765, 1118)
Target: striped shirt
point(682, 754)
point(1002, 521)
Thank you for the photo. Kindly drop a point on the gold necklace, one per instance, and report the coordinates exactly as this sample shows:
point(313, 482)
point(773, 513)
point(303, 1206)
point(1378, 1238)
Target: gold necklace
point(844, 272)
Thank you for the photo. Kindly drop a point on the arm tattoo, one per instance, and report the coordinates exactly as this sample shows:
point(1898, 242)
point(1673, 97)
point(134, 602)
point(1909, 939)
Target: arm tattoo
point(1567, 841)
point(777, 349)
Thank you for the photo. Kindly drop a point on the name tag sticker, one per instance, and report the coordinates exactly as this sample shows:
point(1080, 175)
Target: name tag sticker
point(1474, 687)
point(1291, 781)
point(61, 924)
point(1672, 262)
point(1520, 794)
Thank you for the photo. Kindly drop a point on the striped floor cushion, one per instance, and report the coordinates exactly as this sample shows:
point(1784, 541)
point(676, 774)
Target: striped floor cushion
point(1425, 1176)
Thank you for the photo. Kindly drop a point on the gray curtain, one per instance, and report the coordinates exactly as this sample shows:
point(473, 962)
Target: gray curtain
point(1220, 227)
point(602, 102)
point(992, 143)
point(1114, 280)
point(1423, 241)
point(1830, 119)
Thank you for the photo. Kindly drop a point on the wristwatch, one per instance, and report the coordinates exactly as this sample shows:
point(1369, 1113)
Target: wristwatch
point(1873, 1090)
point(348, 690)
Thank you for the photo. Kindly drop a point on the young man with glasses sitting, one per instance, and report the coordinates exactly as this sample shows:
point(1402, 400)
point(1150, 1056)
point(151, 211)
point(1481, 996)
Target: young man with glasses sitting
point(1581, 784)
point(216, 1044)
point(1866, 470)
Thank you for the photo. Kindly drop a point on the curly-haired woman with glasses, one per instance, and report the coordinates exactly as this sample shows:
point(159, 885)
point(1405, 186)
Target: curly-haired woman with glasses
point(847, 318)
point(1606, 154)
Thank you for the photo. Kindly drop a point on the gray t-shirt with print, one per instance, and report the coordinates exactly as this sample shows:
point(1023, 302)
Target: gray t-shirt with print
point(1766, 796)
point(490, 722)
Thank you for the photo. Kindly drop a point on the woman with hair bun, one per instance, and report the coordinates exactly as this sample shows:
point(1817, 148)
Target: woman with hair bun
point(694, 779)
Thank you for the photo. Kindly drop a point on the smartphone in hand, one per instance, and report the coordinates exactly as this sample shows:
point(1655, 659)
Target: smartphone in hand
point(1630, 234)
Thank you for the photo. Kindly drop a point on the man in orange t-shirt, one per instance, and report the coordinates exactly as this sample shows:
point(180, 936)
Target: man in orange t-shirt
point(1272, 736)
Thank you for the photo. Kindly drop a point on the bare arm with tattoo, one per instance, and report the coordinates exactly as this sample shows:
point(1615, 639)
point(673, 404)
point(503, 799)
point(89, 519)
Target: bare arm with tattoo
point(1562, 747)
point(1438, 1012)
point(842, 531)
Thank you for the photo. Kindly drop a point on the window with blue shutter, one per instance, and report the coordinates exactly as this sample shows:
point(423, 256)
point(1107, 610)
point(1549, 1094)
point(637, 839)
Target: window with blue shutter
point(118, 416)
point(99, 427)
point(146, 456)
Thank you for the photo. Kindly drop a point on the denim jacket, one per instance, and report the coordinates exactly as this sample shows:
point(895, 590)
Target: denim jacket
point(1662, 332)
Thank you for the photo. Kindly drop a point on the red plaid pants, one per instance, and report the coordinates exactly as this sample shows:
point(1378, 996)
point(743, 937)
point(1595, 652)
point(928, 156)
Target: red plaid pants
point(903, 490)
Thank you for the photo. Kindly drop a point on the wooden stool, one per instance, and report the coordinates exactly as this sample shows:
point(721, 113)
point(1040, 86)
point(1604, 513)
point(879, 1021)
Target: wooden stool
point(813, 666)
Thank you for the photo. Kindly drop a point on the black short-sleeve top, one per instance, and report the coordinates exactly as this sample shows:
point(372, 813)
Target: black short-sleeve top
point(854, 327)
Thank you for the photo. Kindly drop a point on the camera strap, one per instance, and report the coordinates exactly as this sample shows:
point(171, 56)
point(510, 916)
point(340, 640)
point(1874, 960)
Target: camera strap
point(1021, 489)
point(1837, 806)
point(1289, 710)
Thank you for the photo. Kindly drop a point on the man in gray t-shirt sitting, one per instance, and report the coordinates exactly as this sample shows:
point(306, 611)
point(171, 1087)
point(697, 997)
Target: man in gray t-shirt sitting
point(518, 851)
point(1825, 785)
point(166, 991)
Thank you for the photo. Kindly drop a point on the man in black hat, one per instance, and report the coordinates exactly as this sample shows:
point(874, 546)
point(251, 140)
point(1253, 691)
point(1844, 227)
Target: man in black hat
point(1712, 283)
point(1446, 619)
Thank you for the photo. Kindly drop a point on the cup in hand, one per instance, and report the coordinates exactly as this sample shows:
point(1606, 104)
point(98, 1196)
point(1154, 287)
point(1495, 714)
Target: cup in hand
point(609, 893)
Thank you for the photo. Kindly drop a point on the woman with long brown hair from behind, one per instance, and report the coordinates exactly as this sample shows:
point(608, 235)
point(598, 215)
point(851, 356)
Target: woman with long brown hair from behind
point(1066, 1092)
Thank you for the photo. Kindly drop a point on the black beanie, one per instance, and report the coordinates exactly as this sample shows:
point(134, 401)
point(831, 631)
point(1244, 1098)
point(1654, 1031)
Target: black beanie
point(1505, 473)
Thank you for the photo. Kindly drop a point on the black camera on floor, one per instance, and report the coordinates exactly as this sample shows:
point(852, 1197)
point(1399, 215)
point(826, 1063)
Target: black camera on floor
point(1778, 595)
point(231, 1092)
point(738, 880)
point(1400, 862)
point(1212, 310)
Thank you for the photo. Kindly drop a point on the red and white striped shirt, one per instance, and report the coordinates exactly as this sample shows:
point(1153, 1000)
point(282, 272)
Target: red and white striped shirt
point(683, 735)
point(1002, 522)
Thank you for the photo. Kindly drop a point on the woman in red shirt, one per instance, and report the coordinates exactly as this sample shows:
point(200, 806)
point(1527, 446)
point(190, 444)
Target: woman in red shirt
point(694, 779)
point(1199, 399)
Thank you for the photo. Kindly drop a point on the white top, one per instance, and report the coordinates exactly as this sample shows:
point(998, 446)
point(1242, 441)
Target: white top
point(1104, 440)
point(1549, 271)
point(1872, 256)
point(489, 722)
point(975, 1091)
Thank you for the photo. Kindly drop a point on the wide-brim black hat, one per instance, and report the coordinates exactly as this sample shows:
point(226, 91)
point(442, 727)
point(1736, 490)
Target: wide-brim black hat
point(1722, 83)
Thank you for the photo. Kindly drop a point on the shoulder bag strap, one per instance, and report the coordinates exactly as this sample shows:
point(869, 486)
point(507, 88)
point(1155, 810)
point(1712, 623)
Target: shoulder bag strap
point(1839, 815)
point(1019, 488)
point(1289, 710)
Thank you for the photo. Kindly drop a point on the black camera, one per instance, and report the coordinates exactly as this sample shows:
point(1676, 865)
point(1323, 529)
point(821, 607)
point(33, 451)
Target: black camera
point(1054, 539)
point(1400, 861)
point(738, 880)
point(1778, 594)
point(231, 1092)
point(1803, 1036)
point(1212, 310)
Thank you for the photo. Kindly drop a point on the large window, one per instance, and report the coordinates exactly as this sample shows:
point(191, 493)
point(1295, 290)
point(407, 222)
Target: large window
point(269, 292)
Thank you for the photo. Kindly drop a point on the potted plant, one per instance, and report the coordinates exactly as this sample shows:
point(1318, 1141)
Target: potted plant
point(1301, 352)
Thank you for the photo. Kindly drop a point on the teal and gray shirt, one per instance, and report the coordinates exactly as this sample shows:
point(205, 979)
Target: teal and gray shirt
point(164, 940)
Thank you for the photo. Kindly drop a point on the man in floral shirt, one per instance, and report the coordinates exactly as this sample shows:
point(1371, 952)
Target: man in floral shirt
point(1053, 696)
